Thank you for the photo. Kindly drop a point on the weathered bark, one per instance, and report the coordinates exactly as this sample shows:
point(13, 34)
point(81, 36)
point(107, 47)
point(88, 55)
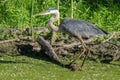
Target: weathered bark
point(47, 47)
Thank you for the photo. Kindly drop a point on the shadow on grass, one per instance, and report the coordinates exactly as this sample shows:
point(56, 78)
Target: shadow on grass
point(27, 50)
point(12, 62)
point(108, 62)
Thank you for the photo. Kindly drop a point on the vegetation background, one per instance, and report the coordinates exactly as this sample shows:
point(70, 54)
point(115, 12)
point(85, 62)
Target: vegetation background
point(17, 13)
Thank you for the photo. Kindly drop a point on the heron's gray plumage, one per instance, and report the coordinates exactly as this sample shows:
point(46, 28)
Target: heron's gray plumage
point(81, 28)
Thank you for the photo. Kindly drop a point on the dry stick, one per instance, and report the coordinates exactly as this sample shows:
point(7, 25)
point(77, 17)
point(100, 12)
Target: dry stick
point(58, 6)
point(71, 8)
point(115, 57)
point(18, 30)
point(66, 45)
point(11, 40)
point(109, 37)
point(71, 45)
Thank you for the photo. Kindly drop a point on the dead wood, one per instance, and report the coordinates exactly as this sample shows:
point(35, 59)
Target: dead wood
point(12, 40)
point(25, 31)
point(67, 47)
point(70, 45)
point(48, 48)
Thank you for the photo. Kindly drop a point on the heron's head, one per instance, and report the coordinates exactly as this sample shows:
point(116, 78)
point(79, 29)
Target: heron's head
point(49, 11)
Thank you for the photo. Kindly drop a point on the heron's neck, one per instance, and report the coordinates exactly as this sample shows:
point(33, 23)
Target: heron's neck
point(52, 20)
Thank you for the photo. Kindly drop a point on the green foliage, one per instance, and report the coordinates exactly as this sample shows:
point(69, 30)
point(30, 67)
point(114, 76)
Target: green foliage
point(17, 13)
point(14, 13)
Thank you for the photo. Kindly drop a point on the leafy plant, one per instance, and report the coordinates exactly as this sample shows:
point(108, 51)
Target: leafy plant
point(17, 13)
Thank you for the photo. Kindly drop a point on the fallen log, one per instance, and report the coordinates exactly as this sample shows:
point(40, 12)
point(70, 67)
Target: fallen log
point(48, 48)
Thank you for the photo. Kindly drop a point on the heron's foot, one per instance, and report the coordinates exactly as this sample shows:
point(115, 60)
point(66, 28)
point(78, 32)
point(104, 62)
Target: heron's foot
point(85, 51)
point(75, 67)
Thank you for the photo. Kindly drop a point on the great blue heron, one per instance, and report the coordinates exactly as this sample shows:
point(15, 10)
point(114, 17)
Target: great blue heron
point(78, 28)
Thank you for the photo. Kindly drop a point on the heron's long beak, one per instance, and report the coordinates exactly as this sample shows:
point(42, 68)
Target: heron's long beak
point(38, 14)
point(42, 13)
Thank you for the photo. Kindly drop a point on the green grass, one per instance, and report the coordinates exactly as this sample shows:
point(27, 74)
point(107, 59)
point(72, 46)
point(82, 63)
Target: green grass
point(29, 68)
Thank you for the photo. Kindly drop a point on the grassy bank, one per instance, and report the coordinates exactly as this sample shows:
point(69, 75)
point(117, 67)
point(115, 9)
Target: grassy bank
point(31, 68)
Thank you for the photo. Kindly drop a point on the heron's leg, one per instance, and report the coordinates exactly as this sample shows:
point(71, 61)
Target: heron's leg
point(85, 49)
point(79, 55)
point(84, 60)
